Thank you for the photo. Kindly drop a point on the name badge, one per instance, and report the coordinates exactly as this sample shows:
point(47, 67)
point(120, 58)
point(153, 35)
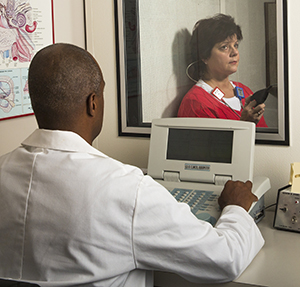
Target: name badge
point(218, 93)
point(239, 92)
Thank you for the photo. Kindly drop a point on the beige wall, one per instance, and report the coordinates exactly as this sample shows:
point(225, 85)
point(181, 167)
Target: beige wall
point(69, 28)
point(271, 161)
point(101, 43)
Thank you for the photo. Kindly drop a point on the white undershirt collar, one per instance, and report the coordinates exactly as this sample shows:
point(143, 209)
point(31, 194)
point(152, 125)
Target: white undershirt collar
point(233, 102)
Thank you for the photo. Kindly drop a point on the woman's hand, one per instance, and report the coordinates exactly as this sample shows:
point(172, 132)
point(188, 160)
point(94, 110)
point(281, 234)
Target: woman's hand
point(251, 113)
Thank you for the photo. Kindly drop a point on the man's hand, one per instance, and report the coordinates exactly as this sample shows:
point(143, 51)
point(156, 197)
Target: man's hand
point(237, 193)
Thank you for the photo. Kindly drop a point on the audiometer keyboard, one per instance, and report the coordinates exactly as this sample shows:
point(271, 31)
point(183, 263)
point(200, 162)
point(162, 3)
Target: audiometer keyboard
point(204, 204)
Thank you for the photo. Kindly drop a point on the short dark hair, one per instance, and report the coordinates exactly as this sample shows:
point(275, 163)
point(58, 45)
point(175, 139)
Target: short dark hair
point(60, 78)
point(208, 32)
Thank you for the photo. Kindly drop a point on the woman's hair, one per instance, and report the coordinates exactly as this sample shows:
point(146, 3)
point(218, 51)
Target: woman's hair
point(206, 33)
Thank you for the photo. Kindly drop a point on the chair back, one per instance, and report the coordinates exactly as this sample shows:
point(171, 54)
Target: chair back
point(12, 283)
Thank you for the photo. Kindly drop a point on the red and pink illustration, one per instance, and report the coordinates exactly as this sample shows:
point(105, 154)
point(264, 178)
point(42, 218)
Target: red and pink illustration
point(16, 27)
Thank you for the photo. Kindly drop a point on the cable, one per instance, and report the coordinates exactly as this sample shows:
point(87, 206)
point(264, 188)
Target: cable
point(274, 204)
point(187, 71)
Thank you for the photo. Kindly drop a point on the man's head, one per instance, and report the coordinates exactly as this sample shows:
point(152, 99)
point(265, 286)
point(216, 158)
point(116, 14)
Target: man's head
point(66, 90)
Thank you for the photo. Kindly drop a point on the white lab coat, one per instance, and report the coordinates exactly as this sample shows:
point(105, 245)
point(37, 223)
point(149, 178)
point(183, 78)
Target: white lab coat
point(70, 214)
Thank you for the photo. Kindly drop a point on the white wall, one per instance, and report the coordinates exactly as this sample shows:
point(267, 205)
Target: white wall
point(165, 32)
point(271, 161)
point(68, 28)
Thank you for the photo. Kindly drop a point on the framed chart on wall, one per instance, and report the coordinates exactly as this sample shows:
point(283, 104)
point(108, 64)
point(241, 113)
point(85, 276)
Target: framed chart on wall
point(153, 53)
point(26, 26)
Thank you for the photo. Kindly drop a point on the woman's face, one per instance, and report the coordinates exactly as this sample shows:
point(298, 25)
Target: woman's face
point(224, 59)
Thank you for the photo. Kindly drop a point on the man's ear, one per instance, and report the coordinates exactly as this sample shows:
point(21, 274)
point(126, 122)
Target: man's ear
point(91, 104)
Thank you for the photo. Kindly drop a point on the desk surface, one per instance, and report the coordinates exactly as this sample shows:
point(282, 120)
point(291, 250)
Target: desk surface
point(276, 265)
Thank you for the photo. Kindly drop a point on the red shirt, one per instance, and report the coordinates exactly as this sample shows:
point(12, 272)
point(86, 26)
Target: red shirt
point(199, 103)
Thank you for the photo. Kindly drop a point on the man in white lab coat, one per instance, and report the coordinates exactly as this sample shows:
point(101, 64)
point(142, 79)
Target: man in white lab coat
point(70, 215)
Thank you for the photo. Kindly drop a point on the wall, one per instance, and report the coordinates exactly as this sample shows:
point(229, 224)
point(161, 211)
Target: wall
point(165, 32)
point(101, 43)
point(69, 28)
point(271, 161)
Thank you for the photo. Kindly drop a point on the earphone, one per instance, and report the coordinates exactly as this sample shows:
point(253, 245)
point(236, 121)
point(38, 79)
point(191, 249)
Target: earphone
point(187, 71)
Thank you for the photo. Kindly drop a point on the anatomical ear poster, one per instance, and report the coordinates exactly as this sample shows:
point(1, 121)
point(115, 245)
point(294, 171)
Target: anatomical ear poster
point(26, 26)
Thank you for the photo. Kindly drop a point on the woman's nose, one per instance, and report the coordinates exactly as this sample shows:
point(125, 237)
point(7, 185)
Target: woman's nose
point(233, 51)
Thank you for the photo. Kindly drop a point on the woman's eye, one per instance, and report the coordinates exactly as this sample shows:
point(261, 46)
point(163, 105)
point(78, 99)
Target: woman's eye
point(224, 47)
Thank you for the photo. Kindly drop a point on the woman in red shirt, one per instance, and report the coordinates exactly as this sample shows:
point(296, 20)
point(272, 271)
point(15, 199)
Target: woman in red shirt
point(215, 44)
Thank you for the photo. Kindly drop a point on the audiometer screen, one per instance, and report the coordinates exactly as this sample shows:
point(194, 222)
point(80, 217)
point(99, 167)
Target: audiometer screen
point(200, 145)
